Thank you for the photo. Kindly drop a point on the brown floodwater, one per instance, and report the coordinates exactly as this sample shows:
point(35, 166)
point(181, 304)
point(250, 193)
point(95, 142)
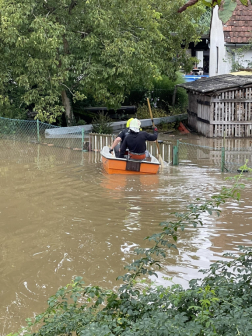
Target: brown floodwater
point(61, 216)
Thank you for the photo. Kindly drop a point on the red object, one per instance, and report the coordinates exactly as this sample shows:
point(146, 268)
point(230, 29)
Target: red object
point(183, 129)
point(137, 157)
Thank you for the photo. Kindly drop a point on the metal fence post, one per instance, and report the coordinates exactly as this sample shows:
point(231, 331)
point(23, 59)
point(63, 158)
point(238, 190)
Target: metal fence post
point(175, 159)
point(82, 139)
point(175, 156)
point(222, 159)
point(38, 137)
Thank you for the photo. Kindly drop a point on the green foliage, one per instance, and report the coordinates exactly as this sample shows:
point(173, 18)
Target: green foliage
point(161, 95)
point(95, 47)
point(220, 304)
point(176, 110)
point(244, 2)
point(245, 168)
point(7, 128)
point(207, 3)
point(81, 122)
point(102, 124)
point(164, 89)
point(211, 3)
point(226, 11)
point(11, 105)
point(228, 8)
point(205, 20)
point(143, 112)
point(238, 61)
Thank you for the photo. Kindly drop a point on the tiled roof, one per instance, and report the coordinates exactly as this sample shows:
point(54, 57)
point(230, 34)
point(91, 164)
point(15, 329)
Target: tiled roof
point(217, 83)
point(238, 29)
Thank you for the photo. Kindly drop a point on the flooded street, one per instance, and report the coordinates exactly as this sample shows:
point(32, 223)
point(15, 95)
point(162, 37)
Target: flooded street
point(61, 216)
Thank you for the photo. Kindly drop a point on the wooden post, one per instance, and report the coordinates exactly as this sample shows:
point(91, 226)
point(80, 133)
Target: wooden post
point(82, 139)
point(174, 95)
point(90, 142)
point(222, 159)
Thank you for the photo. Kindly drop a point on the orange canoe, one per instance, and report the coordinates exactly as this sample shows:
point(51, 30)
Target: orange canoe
point(114, 165)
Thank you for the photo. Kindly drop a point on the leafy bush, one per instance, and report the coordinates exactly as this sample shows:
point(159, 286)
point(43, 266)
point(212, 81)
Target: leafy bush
point(81, 122)
point(161, 94)
point(143, 112)
point(164, 89)
point(7, 126)
point(12, 106)
point(102, 124)
point(220, 304)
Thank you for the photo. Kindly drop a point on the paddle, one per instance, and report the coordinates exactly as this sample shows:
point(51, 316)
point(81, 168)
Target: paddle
point(158, 150)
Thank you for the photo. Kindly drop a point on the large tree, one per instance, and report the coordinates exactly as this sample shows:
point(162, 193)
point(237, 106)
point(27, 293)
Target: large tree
point(54, 49)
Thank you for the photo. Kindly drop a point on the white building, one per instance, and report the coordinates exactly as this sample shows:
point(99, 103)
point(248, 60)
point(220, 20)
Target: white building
point(230, 42)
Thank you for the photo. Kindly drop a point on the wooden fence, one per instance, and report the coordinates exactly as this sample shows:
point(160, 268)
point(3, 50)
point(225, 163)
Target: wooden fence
point(176, 152)
point(98, 141)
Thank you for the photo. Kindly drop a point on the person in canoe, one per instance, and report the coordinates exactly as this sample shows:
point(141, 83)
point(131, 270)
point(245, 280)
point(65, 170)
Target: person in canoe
point(135, 141)
point(119, 139)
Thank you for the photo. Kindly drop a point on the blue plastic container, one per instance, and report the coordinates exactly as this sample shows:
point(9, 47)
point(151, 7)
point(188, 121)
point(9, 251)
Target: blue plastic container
point(191, 78)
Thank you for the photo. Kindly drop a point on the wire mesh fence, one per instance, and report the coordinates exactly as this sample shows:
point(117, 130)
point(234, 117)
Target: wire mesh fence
point(235, 158)
point(203, 156)
point(34, 131)
point(227, 158)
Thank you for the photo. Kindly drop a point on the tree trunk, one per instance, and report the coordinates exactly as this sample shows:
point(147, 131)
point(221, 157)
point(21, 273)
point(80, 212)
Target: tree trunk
point(68, 107)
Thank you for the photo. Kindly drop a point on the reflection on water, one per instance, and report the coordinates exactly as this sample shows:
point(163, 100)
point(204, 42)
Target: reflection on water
point(61, 216)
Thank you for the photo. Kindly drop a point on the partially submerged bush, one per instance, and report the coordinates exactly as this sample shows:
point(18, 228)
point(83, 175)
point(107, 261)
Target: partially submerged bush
point(102, 124)
point(143, 112)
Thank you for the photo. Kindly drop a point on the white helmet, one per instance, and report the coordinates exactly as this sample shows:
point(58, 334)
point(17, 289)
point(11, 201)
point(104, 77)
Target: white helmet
point(135, 125)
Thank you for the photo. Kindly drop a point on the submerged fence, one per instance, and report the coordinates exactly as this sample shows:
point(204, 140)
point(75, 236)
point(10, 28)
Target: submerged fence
point(34, 131)
point(227, 158)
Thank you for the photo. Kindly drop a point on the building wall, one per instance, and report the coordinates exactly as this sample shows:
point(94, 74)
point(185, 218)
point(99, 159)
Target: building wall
point(227, 113)
point(220, 60)
point(242, 57)
point(199, 110)
point(228, 56)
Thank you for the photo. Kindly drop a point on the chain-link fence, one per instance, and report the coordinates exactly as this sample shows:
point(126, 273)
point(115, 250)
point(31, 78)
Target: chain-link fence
point(34, 131)
point(228, 158)
point(225, 158)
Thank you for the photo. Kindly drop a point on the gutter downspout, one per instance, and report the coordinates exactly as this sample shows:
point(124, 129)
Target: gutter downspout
point(237, 45)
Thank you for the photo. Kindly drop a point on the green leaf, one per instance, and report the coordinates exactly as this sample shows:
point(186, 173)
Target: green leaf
point(227, 11)
point(207, 3)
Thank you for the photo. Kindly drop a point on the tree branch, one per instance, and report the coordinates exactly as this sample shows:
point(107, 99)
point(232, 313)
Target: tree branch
point(67, 88)
point(72, 5)
point(82, 33)
point(188, 4)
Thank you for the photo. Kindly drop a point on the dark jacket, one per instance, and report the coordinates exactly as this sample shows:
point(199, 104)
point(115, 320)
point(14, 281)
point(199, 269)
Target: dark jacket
point(135, 142)
point(123, 133)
